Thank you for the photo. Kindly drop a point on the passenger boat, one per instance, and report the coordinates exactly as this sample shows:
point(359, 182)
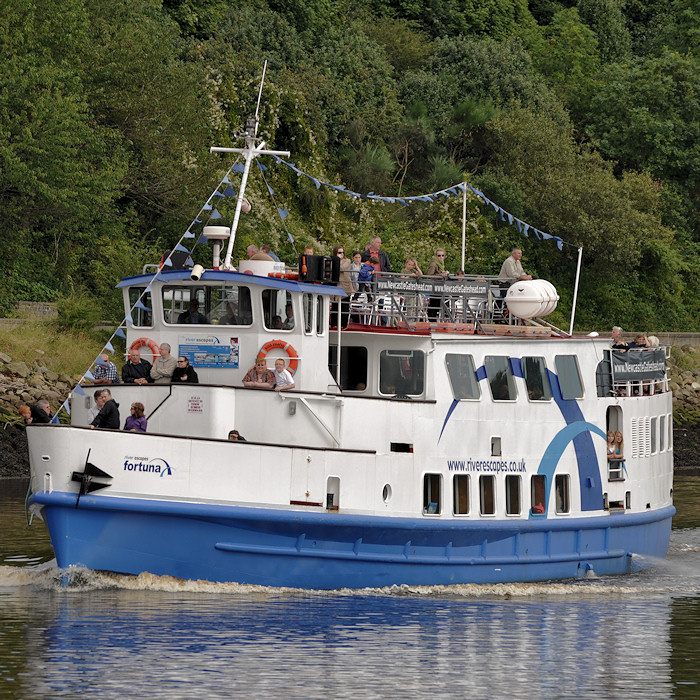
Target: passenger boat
point(456, 440)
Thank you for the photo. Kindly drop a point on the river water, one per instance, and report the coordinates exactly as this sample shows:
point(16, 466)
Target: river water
point(114, 636)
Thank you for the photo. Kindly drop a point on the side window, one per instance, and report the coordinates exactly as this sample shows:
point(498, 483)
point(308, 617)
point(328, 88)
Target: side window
point(653, 435)
point(460, 370)
point(561, 489)
point(321, 312)
point(569, 376)
point(353, 366)
point(277, 306)
point(142, 317)
point(487, 494)
point(460, 492)
point(512, 494)
point(538, 494)
point(431, 494)
point(401, 372)
point(308, 302)
point(500, 378)
point(662, 432)
point(536, 381)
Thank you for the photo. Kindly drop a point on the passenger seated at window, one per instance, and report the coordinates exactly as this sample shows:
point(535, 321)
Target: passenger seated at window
point(288, 322)
point(617, 452)
point(192, 315)
point(229, 318)
point(283, 377)
point(277, 323)
point(136, 422)
point(235, 436)
point(611, 443)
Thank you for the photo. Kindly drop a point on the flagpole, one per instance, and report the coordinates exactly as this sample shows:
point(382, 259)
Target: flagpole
point(573, 306)
point(464, 223)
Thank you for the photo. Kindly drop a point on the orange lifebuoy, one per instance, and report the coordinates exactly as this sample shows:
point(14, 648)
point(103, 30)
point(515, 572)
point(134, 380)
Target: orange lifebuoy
point(281, 345)
point(141, 342)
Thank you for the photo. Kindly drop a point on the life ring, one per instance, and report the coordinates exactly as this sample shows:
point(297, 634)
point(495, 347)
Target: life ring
point(141, 342)
point(281, 345)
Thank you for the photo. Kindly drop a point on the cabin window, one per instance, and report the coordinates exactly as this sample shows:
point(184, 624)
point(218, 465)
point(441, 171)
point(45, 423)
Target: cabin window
point(500, 378)
point(431, 494)
point(662, 432)
point(669, 422)
point(460, 370)
point(278, 310)
point(536, 382)
point(569, 376)
point(460, 492)
point(561, 492)
point(653, 435)
point(512, 494)
point(487, 494)
point(353, 366)
point(308, 302)
point(224, 305)
point(142, 318)
point(538, 484)
point(321, 309)
point(230, 305)
point(496, 450)
point(401, 372)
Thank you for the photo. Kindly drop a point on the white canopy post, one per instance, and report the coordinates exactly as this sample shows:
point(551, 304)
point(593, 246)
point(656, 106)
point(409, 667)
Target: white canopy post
point(573, 306)
point(464, 223)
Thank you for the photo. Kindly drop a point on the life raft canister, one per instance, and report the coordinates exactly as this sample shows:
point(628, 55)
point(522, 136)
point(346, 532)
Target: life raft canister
point(281, 345)
point(141, 342)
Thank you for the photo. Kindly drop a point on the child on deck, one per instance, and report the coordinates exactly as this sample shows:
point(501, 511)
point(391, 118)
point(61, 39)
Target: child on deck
point(283, 378)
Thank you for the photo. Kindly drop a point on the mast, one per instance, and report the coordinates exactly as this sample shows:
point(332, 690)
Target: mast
point(251, 151)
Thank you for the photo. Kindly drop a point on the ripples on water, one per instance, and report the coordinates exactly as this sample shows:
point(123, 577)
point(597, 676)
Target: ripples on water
point(137, 636)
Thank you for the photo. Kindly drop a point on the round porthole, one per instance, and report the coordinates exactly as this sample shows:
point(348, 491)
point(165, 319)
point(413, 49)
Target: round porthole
point(386, 493)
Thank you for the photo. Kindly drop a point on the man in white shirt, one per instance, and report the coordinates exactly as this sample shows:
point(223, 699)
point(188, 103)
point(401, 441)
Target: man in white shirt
point(512, 269)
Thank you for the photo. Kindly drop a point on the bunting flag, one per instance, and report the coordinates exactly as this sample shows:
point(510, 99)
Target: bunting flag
point(263, 168)
point(188, 234)
point(99, 361)
point(229, 192)
point(108, 346)
point(89, 375)
point(128, 319)
point(202, 238)
point(270, 190)
point(140, 305)
point(168, 262)
point(214, 216)
point(55, 418)
point(207, 207)
point(66, 406)
point(238, 168)
point(78, 390)
point(216, 193)
point(181, 248)
point(120, 333)
point(282, 212)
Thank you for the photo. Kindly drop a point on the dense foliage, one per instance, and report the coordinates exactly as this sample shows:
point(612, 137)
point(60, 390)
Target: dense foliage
point(580, 117)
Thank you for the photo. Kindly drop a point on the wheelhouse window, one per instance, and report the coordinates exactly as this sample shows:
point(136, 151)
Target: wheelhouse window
point(569, 376)
point(536, 381)
point(278, 310)
point(401, 372)
point(512, 494)
point(561, 491)
point(487, 494)
point(223, 305)
point(308, 303)
point(662, 432)
point(141, 317)
point(460, 493)
point(353, 366)
point(500, 378)
point(431, 494)
point(460, 370)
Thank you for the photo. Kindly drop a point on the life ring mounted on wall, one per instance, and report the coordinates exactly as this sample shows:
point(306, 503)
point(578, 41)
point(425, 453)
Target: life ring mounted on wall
point(281, 345)
point(145, 342)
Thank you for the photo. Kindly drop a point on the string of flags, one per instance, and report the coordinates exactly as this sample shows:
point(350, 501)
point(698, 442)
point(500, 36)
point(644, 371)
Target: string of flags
point(430, 198)
point(229, 191)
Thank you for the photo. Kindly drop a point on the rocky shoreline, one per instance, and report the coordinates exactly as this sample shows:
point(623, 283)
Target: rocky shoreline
point(22, 384)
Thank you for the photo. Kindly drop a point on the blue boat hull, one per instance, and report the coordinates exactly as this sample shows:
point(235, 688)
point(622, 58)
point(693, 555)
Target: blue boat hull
point(330, 550)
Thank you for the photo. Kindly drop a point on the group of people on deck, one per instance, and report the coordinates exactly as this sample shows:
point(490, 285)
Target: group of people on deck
point(164, 370)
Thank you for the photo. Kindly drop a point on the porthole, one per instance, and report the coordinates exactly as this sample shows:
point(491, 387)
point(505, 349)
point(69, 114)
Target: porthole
point(386, 493)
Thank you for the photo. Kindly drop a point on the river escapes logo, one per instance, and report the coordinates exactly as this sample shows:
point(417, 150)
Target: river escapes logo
point(155, 465)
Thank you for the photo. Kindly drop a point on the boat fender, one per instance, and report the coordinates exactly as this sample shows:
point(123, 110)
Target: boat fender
point(281, 345)
point(141, 342)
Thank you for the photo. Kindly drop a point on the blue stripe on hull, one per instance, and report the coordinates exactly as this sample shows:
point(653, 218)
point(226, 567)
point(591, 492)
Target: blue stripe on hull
point(330, 550)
